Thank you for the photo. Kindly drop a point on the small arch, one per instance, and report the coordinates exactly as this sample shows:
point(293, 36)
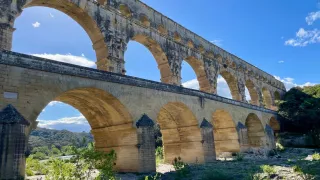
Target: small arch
point(190, 44)
point(226, 138)
point(145, 20)
point(198, 67)
point(252, 92)
point(82, 17)
point(219, 58)
point(181, 133)
point(177, 37)
point(267, 98)
point(158, 54)
point(256, 134)
point(162, 30)
point(201, 49)
point(125, 10)
point(277, 96)
point(232, 83)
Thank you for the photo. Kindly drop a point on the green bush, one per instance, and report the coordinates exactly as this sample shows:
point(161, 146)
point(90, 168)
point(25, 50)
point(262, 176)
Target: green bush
point(29, 172)
point(316, 157)
point(181, 168)
point(297, 169)
point(216, 175)
point(239, 156)
point(268, 169)
point(279, 147)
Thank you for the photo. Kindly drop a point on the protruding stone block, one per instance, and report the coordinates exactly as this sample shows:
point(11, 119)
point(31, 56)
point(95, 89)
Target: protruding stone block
point(13, 142)
point(146, 144)
point(207, 141)
point(243, 136)
point(270, 137)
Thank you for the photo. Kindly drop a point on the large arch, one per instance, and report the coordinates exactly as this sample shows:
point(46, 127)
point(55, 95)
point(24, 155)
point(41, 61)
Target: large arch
point(232, 83)
point(85, 20)
point(256, 134)
point(158, 54)
point(267, 98)
point(111, 123)
point(181, 133)
point(198, 68)
point(226, 138)
point(252, 92)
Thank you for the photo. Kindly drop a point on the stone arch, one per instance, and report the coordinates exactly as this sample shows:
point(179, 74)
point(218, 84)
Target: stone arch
point(198, 67)
point(85, 20)
point(125, 10)
point(256, 134)
point(158, 54)
point(110, 121)
point(276, 96)
point(226, 138)
point(181, 133)
point(252, 92)
point(232, 83)
point(267, 97)
point(274, 124)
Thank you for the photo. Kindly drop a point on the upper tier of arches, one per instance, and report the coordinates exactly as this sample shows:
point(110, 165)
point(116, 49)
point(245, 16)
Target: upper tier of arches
point(110, 31)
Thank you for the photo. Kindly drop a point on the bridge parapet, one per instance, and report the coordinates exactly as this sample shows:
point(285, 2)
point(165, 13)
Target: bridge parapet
point(36, 63)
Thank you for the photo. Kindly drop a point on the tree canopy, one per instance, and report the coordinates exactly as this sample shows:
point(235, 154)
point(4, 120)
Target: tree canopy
point(300, 109)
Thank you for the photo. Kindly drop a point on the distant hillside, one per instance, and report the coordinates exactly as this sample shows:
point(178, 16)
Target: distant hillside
point(59, 138)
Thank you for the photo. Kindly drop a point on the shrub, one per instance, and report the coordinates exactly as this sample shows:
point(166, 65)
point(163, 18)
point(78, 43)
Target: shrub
point(316, 157)
point(181, 168)
point(29, 172)
point(155, 177)
point(297, 169)
point(239, 156)
point(268, 169)
point(279, 147)
point(216, 175)
point(252, 176)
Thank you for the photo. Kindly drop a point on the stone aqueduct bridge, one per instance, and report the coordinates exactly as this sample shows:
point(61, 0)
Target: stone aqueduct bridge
point(196, 125)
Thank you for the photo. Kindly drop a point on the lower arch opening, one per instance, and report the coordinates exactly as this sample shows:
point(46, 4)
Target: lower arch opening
point(180, 133)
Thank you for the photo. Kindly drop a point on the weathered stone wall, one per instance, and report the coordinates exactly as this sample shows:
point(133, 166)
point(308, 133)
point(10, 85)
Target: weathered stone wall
point(112, 24)
point(113, 104)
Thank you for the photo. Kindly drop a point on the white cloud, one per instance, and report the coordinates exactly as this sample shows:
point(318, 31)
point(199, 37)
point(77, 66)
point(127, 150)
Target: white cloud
point(53, 103)
point(289, 82)
point(280, 62)
point(312, 17)
point(51, 15)
point(304, 37)
point(77, 123)
point(222, 89)
point(217, 42)
point(36, 24)
point(68, 58)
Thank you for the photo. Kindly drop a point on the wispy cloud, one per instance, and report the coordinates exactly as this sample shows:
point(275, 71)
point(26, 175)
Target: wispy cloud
point(53, 103)
point(51, 15)
point(289, 82)
point(304, 37)
point(222, 88)
point(68, 58)
point(36, 24)
point(280, 62)
point(77, 124)
point(217, 42)
point(312, 17)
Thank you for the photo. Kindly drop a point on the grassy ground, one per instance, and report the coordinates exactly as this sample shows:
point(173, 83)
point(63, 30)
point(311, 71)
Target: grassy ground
point(292, 164)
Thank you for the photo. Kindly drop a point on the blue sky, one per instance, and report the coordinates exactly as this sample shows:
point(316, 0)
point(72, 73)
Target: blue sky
point(280, 37)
